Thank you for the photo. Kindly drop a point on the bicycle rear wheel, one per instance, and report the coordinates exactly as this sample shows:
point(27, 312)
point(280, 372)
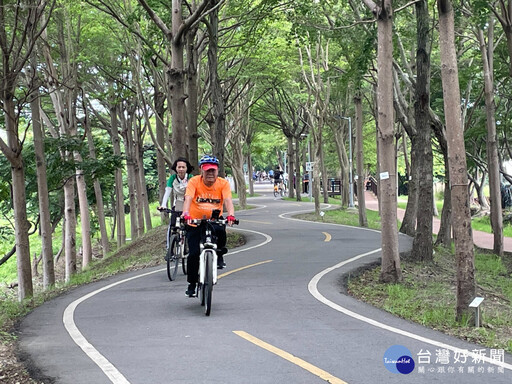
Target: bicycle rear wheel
point(276, 193)
point(173, 259)
point(208, 284)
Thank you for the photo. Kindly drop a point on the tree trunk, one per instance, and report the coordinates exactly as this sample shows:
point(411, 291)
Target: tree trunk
point(391, 270)
point(81, 188)
point(404, 150)
point(343, 159)
point(218, 128)
point(315, 175)
point(444, 236)
point(505, 18)
point(25, 287)
point(377, 141)
point(159, 101)
point(250, 167)
point(42, 188)
point(70, 229)
point(291, 167)
point(176, 76)
point(457, 162)
point(100, 210)
point(322, 168)
point(492, 142)
point(422, 248)
point(144, 215)
point(130, 178)
point(298, 174)
point(114, 131)
point(408, 225)
point(361, 204)
point(238, 171)
point(85, 221)
point(192, 99)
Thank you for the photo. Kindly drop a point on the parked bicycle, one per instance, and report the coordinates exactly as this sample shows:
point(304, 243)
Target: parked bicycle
point(177, 247)
point(208, 261)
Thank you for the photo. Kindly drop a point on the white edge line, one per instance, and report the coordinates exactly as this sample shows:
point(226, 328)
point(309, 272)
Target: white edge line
point(101, 361)
point(312, 287)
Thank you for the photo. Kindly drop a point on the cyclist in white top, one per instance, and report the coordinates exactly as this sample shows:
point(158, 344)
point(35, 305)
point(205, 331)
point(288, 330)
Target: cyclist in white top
point(177, 184)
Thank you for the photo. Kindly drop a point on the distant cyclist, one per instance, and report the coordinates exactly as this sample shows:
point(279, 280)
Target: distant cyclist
point(204, 194)
point(278, 179)
point(177, 184)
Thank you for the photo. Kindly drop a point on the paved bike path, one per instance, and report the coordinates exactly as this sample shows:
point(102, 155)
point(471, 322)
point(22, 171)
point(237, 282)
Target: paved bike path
point(149, 332)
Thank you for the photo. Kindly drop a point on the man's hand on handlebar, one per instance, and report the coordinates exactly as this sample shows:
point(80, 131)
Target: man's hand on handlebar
point(231, 220)
point(187, 218)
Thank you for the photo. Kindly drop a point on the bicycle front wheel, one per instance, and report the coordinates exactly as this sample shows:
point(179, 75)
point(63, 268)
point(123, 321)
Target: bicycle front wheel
point(208, 284)
point(276, 193)
point(184, 256)
point(173, 259)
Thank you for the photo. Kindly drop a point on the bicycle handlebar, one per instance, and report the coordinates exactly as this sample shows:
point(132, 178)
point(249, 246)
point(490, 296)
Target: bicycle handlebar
point(166, 210)
point(199, 221)
point(212, 220)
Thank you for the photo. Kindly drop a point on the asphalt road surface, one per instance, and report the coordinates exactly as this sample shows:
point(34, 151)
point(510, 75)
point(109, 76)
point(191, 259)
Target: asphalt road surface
point(278, 316)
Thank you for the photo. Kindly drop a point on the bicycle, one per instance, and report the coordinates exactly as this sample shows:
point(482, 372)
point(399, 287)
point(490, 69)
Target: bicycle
point(278, 190)
point(177, 247)
point(208, 261)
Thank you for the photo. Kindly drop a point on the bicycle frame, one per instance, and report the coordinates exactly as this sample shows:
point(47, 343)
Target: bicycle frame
point(207, 246)
point(180, 230)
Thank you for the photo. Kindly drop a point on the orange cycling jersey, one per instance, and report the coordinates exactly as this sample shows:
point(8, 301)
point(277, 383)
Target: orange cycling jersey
point(205, 199)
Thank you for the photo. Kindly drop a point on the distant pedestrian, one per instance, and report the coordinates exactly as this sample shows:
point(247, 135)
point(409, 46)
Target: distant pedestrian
point(306, 183)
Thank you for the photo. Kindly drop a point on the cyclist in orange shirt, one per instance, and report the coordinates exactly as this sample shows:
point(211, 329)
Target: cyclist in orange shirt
point(205, 193)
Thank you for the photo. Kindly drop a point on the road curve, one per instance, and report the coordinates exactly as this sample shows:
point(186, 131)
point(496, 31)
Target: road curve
point(278, 315)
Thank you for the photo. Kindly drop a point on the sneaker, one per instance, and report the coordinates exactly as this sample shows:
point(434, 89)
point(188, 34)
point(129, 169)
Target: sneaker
point(191, 291)
point(220, 262)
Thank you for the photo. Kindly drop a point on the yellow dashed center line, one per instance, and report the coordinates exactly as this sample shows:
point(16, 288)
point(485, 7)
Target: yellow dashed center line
point(293, 359)
point(257, 222)
point(242, 268)
point(327, 236)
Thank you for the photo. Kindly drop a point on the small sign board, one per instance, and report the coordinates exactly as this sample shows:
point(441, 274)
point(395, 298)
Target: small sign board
point(309, 166)
point(384, 175)
point(476, 302)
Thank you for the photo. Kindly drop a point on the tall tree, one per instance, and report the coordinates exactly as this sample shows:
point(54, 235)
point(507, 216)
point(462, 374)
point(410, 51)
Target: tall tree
point(487, 51)
point(422, 244)
point(19, 31)
point(42, 179)
point(461, 215)
point(391, 270)
point(217, 117)
point(361, 177)
point(503, 12)
point(100, 210)
point(176, 37)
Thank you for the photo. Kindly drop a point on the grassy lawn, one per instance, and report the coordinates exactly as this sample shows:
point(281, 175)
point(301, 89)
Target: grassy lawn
point(482, 223)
